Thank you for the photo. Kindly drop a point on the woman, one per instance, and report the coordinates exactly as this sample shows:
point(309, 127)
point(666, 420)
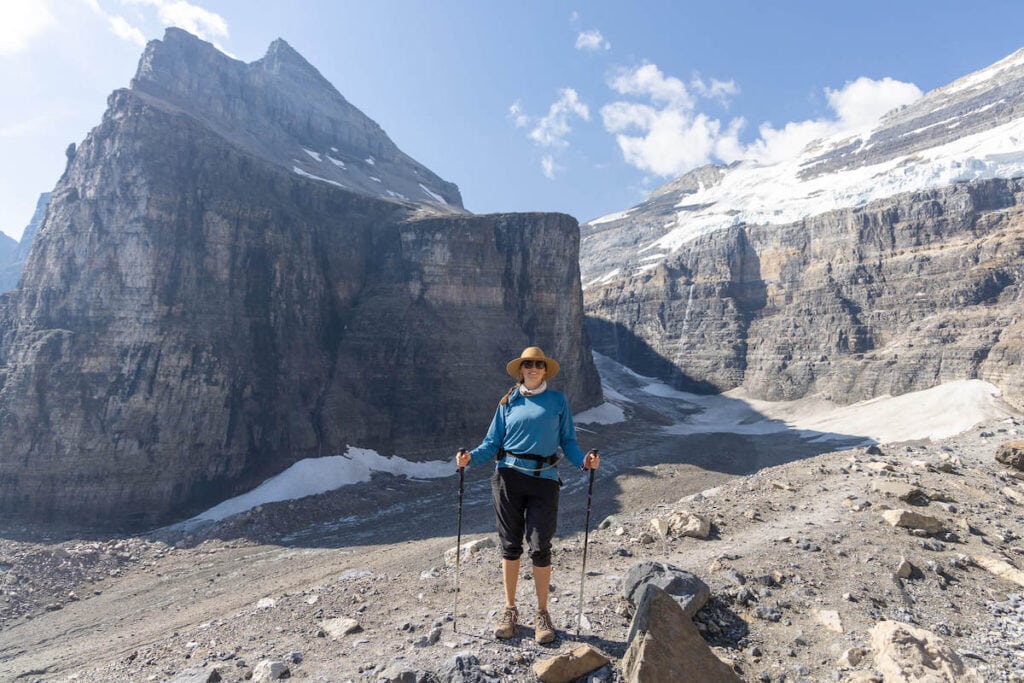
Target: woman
point(529, 425)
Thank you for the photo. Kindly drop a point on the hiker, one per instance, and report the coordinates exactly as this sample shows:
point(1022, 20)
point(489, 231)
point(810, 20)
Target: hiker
point(529, 425)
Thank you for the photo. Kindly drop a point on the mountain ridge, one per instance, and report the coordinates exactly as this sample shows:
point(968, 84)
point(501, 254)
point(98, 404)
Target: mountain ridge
point(853, 281)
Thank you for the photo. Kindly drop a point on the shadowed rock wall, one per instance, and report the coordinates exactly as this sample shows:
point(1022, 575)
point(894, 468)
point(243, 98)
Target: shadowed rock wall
point(193, 319)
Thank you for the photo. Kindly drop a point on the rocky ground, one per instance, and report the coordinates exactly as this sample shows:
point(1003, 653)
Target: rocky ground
point(804, 557)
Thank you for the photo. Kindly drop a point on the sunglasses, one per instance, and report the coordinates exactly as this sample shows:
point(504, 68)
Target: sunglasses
point(530, 364)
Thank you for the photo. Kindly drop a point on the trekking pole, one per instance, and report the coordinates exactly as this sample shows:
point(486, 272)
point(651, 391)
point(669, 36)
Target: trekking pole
point(458, 549)
point(586, 537)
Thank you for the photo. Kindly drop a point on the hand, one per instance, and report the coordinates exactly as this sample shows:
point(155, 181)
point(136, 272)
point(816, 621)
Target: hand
point(462, 458)
point(592, 460)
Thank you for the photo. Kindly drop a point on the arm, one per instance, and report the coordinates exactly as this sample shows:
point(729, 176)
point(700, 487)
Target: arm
point(488, 449)
point(567, 435)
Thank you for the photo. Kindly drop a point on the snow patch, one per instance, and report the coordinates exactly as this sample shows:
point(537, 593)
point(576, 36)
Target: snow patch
point(619, 215)
point(318, 475)
point(775, 194)
point(433, 195)
point(315, 155)
point(337, 162)
point(306, 174)
point(604, 414)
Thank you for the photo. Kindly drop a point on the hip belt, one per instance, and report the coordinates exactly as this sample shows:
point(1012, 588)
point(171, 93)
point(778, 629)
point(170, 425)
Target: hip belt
point(541, 462)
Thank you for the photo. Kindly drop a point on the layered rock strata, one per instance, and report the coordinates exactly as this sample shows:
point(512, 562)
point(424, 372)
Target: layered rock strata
point(899, 295)
point(194, 318)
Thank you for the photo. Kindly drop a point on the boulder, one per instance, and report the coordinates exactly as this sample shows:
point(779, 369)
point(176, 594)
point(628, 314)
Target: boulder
point(1000, 568)
point(269, 670)
point(913, 520)
point(685, 523)
point(907, 654)
point(686, 589)
point(1011, 454)
point(569, 666)
point(340, 627)
point(664, 645)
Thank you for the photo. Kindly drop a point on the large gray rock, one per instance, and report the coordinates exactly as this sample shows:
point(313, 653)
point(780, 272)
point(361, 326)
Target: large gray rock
point(686, 589)
point(664, 645)
point(194, 318)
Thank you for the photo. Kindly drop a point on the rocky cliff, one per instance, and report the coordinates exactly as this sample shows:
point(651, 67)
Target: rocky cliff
point(196, 316)
point(881, 263)
point(897, 296)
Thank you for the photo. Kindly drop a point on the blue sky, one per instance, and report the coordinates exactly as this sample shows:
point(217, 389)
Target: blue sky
point(579, 107)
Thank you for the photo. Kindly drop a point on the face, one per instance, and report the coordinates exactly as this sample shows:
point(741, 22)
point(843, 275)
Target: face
point(533, 373)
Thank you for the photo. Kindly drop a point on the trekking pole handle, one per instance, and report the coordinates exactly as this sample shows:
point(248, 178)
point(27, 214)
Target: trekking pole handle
point(458, 453)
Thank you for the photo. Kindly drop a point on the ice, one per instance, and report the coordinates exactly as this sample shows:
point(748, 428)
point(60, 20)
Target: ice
point(318, 475)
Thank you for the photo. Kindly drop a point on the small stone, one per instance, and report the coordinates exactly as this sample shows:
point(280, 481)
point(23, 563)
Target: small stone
point(340, 627)
point(269, 670)
point(851, 658)
point(829, 618)
point(905, 570)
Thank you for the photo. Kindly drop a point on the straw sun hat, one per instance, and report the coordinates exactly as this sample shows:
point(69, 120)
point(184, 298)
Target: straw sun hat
point(532, 353)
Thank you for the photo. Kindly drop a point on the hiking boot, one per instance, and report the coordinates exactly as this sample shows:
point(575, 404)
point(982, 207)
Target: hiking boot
point(506, 626)
point(544, 630)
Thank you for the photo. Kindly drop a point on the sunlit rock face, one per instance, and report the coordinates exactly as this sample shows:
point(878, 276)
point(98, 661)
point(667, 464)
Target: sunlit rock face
point(887, 261)
point(196, 315)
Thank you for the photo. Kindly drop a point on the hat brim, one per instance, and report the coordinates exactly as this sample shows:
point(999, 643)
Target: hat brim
point(512, 367)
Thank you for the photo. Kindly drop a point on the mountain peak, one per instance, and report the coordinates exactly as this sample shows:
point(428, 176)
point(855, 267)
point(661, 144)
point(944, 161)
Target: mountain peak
point(282, 109)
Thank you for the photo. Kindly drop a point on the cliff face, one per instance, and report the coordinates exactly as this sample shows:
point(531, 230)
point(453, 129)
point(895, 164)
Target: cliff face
point(896, 296)
point(195, 317)
point(872, 263)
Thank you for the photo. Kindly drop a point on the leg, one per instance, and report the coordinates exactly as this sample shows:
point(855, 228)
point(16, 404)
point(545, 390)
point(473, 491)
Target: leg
point(541, 516)
point(510, 574)
point(542, 584)
point(509, 506)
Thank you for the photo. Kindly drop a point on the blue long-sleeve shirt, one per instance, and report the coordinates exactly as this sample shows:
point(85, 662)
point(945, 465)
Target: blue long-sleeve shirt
point(530, 424)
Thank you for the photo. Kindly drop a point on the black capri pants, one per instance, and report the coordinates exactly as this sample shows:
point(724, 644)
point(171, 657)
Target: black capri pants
point(525, 505)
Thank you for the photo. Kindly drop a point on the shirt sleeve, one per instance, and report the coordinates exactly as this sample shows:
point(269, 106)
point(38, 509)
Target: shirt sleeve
point(488, 448)
point(567, 435)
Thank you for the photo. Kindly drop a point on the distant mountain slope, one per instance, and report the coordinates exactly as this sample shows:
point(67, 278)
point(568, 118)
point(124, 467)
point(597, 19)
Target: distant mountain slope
point(972, 129)
point(280, 108)
point(12, 262)
point(874, 263)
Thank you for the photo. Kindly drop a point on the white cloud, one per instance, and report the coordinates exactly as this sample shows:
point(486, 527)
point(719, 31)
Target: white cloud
point(515, 112)
point(547, 165)
point(20, 22)
point(193, 18)
point(864, 101)
point(125, 31)
point(857, 106)
point(592, 40)
point(667, 136)
point(649, 81)
point(552, 130)
point(718, 90)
